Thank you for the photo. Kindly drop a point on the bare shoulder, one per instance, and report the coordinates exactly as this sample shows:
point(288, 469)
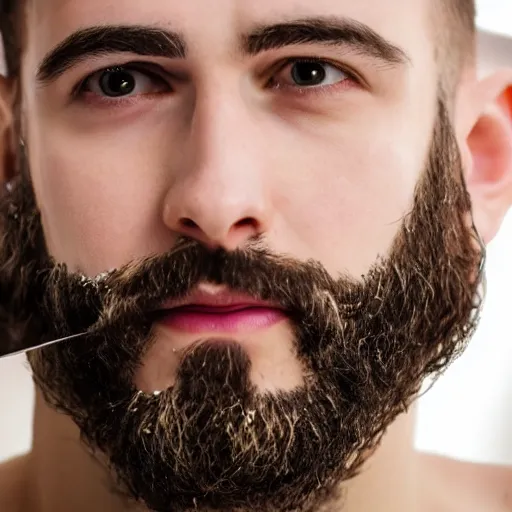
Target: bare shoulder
point(13, 485)
point(449, 485)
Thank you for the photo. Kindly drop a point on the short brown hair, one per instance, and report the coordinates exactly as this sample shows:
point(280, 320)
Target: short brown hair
point(455, 37)
point(454, 24)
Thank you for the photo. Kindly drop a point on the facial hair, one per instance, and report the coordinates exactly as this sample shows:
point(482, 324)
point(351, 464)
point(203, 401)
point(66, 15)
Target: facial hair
point(213, 441)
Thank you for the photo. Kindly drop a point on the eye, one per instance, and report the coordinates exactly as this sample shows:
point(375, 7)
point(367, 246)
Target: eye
point(123, 82)
point(302, 74)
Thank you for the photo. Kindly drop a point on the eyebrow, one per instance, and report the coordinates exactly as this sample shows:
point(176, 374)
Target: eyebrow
point(332, 31)
point(102, 40)
point(158, 42)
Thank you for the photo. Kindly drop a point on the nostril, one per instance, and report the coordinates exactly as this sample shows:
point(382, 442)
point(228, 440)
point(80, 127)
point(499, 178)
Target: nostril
point(248, 221)
point(218, 233)
point(188, 223)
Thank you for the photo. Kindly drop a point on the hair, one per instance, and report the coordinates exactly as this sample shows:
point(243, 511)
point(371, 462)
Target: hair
point(454, 29)
point(455, 38)
point(11, 38)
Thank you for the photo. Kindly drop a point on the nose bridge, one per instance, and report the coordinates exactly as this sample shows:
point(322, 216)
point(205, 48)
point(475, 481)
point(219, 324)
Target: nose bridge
point(221, 149)
point(220, 193)
point(220, 131)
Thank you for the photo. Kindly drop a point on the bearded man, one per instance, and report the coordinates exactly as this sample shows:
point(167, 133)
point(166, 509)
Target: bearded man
point(267, 224)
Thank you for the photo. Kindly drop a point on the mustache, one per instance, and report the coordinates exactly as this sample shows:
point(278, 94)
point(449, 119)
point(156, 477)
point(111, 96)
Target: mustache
point(126, 296)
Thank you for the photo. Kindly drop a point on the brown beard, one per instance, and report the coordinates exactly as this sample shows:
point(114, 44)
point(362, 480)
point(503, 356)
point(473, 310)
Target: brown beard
point(212, 441)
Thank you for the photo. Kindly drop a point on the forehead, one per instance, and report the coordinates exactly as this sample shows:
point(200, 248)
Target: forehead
point(212, 26)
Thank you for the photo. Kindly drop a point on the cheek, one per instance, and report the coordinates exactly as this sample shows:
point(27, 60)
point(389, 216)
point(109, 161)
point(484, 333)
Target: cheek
point(98, 201)
point(347, 212)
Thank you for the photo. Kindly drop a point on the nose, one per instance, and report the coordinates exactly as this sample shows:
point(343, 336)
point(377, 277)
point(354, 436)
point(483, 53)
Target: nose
point(219, 196)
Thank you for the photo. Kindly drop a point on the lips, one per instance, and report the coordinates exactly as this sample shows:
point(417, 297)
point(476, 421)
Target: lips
point(219, 311)
point(210, 296)
point(200, 308)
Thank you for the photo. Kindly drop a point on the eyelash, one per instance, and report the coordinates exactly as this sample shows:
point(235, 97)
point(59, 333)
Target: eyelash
point(80, 92)
point(350, 80)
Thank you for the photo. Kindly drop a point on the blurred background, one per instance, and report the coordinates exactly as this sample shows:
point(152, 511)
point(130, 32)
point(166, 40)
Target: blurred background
point(467, 415)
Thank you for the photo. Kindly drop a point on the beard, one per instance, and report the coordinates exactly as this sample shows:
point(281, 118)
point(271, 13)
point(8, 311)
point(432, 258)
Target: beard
point(213, 441)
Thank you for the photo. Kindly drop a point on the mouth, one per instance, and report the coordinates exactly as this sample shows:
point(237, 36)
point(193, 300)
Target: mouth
point(214, 310)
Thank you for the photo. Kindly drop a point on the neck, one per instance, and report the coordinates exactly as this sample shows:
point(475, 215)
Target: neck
point(64, 476)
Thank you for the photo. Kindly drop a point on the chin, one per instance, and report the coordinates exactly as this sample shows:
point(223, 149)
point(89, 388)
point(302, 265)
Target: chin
point(275, 365)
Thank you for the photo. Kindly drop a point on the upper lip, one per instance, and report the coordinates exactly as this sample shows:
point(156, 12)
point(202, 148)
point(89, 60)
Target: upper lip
point(221, 299)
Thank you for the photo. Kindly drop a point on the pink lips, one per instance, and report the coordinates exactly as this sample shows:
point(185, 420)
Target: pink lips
point(224, 311)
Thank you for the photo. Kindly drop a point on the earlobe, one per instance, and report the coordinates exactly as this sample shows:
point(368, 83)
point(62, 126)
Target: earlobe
point(489, 143)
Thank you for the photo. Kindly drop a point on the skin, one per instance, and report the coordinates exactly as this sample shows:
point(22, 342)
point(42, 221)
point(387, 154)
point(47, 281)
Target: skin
point(133, 173)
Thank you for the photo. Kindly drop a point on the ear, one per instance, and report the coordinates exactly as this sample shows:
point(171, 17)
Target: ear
point(7, 134)
point(485, 133)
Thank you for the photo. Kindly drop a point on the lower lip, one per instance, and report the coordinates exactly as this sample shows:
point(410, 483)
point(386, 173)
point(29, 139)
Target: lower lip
point(197, 321)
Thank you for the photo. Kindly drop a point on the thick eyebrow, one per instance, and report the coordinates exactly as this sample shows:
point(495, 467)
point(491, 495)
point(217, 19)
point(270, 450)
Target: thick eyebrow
point(159, 42)
point(101, 40)
point(331, 31)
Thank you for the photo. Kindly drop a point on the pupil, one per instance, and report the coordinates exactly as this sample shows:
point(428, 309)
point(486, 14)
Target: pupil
point(308, 73)
point(117, 83)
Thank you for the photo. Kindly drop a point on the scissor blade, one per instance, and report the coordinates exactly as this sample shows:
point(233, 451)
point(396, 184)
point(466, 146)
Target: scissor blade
point(9, 353)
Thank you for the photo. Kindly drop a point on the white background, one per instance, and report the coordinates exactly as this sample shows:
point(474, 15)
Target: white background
point(495, 16)
point(468, 413)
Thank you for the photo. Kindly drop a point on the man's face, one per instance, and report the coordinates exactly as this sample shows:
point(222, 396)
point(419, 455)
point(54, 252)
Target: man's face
point(222, 146)
point(338, 153)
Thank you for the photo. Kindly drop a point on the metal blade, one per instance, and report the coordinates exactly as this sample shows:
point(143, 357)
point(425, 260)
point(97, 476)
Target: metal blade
point(4, 353)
